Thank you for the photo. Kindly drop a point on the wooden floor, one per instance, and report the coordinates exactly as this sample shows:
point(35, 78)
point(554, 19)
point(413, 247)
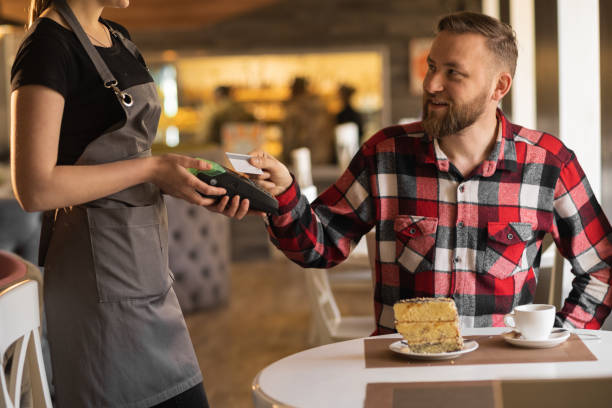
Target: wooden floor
point(266, 319)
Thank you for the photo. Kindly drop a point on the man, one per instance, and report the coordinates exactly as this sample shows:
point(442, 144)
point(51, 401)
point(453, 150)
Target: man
point(460, 201)
point(225, 110)
point(347, 113)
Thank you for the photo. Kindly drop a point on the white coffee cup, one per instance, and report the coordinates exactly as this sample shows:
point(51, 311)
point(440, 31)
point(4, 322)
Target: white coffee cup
point(534, 322)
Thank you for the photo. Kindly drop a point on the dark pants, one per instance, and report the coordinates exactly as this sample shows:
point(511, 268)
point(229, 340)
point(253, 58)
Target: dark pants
point(194, 397)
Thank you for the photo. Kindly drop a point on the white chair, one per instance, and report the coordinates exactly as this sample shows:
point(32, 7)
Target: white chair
point(20, 324)
point(347, 143)
point(328, 324)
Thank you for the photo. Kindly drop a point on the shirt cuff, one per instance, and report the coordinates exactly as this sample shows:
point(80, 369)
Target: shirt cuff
point(289, 198)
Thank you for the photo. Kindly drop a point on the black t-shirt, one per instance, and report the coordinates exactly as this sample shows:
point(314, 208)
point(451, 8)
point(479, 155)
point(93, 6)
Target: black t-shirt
point(52, 56)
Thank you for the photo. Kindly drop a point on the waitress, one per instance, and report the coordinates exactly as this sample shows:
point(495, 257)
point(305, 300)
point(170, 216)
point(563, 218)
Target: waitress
point(84, 115)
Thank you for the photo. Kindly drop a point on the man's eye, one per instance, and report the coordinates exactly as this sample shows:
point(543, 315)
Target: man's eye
point(431, 67)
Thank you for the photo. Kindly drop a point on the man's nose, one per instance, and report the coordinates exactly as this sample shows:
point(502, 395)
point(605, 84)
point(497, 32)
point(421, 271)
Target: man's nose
point(433, 83)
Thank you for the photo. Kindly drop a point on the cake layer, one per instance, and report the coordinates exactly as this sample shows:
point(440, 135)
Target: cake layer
point(443, 346)
point(425, 310)
point(428, 325)
point(427, 332)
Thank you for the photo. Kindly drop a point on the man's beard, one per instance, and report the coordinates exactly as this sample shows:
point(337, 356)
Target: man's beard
point(456, 118)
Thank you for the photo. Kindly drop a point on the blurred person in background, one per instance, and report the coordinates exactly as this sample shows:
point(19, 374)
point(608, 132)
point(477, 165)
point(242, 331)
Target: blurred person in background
point(347, 113)
point(223, 110)
point(308, 124)
point(84, 113)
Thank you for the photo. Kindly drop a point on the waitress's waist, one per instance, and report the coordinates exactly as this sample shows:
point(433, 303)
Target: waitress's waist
point(140, 195)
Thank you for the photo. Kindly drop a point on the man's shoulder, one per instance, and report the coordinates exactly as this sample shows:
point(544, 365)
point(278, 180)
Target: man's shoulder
point(541, 141)
point(410, 133)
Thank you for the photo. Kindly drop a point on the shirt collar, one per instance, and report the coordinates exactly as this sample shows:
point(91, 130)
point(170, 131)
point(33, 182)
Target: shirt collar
point(502, 157)
point(507, 159)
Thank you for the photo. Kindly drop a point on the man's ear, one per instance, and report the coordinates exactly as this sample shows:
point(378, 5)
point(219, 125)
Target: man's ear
point(502, 86)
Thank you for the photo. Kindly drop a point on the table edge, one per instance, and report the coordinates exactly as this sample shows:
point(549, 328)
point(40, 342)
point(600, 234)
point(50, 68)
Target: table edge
point(260, 394)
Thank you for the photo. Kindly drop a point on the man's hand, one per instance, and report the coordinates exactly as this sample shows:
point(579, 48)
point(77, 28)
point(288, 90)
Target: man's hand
point(275, 178)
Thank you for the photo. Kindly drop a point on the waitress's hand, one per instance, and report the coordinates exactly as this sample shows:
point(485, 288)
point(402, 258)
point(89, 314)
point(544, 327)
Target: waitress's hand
point(234, 208)
point(170, 174)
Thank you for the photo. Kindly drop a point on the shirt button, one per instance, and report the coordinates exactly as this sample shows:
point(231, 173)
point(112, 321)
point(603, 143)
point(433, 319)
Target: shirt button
point(461, 188)
point(460, 225)
point(457, 259)
point(510, 237)
point(412, 230)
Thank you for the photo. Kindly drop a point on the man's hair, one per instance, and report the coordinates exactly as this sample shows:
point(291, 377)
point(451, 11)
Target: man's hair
point(223, 91)
point(500, 37)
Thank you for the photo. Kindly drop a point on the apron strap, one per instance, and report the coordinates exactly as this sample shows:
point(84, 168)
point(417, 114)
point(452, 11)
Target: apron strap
point(103, 70)
point(127, 43)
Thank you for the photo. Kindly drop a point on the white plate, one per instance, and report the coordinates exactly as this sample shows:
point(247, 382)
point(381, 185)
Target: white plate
point(555, 338)
point(399, 347)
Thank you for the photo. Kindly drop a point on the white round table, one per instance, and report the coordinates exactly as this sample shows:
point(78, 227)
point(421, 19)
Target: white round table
point(334, 375)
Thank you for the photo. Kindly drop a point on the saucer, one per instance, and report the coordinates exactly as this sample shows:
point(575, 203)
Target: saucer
point(555, 338)
point(399, 347)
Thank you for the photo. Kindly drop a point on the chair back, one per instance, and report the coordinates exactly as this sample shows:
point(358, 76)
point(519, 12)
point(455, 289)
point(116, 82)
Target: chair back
point(19, 325)
point(347, 143)
point(323, 305)
point(302, 166)
point(328, 324)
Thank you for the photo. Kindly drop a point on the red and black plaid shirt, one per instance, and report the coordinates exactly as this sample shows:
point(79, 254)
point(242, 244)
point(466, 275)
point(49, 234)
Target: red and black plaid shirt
point(476, 239)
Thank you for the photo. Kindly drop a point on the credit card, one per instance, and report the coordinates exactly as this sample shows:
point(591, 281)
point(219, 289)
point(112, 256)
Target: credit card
point(240, 163)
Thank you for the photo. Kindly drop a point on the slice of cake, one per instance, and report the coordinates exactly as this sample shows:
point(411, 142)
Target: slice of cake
point(428, 325)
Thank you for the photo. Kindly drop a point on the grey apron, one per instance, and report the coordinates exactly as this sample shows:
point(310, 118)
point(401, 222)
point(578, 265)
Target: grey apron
point(116, 331)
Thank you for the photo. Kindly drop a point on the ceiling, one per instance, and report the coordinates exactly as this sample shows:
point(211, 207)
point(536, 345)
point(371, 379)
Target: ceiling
point(158, 14)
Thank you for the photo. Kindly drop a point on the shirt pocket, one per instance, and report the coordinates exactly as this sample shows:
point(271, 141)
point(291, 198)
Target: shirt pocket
point(415, 242)
point(129, 255)
point(505, 254)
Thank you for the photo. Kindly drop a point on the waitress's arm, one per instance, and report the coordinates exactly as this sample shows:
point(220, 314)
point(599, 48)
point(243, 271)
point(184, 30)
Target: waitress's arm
point(40, 184)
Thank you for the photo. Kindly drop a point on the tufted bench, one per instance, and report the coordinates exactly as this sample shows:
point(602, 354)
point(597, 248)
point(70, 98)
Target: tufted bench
point(199, 252)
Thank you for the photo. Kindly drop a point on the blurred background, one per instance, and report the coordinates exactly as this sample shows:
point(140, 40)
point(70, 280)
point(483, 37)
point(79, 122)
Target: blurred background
point(325, 75)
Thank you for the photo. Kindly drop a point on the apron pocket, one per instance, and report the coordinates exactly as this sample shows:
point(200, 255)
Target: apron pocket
point(415, 242)
point(129, 259)
point(505, 254)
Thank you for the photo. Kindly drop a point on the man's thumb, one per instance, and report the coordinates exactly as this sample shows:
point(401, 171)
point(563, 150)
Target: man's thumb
point(260, 160)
